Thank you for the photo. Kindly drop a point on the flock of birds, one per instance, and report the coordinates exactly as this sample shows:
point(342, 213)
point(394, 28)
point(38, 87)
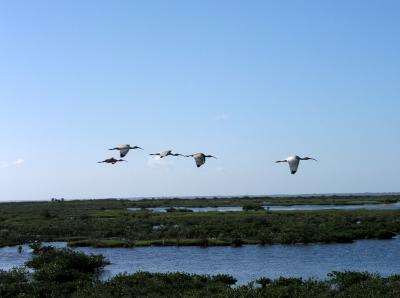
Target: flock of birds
point(199, 158)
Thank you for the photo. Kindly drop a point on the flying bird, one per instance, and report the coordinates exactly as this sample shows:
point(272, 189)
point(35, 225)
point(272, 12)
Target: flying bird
point(294, 161)
point(199, 158)
point(124, 149)
point(166, 153)
point(112, 160)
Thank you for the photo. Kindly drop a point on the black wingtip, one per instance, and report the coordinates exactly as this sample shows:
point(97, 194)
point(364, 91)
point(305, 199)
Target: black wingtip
point(293, 172)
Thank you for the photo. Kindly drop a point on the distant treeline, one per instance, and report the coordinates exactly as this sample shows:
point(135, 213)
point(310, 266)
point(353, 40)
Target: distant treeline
point(65, 273)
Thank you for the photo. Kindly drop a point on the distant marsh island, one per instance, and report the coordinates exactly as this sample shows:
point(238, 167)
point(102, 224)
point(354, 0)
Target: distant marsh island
point(109, 223)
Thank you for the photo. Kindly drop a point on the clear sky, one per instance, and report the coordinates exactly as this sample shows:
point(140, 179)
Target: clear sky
point(248, 81)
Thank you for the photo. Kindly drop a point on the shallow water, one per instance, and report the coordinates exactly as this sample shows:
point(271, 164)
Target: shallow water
point(392, 206)
point(246, 263)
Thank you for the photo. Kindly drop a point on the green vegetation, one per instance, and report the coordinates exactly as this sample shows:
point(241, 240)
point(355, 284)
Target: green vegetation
point(65, 273)
point(108, 223)
point(253, 208)
point(172, 209)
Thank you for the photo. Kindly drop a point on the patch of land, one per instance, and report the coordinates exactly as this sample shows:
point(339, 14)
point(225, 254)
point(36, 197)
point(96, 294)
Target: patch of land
point(108, 223)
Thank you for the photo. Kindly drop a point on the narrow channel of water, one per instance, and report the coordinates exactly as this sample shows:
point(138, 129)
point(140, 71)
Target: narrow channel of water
point(392, 206)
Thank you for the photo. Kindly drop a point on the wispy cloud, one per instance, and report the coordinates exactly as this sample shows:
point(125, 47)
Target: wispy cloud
point(19, 162)
point(222, 117)
point(156, 161)
point(16, 163)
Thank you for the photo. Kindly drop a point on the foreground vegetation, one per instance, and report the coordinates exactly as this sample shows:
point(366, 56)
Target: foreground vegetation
point(65, 273)
point(109, 223)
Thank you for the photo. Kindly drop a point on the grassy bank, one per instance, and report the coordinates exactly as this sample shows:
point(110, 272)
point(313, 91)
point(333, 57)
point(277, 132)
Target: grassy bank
point(161, 242)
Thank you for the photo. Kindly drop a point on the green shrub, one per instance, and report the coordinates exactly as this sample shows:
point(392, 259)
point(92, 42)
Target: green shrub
point(14, 283)
point(252, 208)
point(344, 280)
point(61, 265)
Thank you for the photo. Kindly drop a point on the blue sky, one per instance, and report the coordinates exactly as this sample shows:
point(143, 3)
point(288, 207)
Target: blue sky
point(248, 81)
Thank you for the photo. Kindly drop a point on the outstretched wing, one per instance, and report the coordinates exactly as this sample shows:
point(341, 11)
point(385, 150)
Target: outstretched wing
point(293, 165)
point(123, 152)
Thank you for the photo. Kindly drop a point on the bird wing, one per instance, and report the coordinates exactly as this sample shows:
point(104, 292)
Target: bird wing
point(293, 165)
point(123, 152)
point(200, 160)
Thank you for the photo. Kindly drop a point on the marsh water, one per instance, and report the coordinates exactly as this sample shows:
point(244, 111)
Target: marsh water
point(305, 207)
point(246, 263)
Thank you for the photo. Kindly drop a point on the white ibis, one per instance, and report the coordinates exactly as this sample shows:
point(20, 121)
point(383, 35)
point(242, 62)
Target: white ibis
point(294, 161)
point(112, 160)
point(200, 158)
point(166, 153)
point(124, 149)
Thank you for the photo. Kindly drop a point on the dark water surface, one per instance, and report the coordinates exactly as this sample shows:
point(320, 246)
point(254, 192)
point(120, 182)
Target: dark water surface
point(246, 263)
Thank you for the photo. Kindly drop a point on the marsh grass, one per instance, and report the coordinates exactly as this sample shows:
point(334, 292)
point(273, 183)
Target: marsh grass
point(108, 223)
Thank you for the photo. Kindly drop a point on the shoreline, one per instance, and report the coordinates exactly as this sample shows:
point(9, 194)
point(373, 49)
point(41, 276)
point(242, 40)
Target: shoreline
point(118, 243)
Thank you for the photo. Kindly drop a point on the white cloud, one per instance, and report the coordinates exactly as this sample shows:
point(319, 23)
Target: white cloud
point(19, 162)
point(222, 117)
point(5, 164)
point(158, 162)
